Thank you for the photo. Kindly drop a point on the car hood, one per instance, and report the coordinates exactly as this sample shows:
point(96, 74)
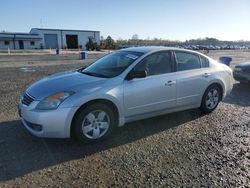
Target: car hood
point(65, 81)
point(245, 64)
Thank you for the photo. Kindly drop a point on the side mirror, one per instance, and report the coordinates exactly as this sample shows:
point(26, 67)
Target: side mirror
point(136, 74)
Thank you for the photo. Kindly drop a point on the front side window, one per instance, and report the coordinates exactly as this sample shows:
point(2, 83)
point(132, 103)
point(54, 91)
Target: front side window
point(155, 64)
point(187, 61)
point(112, 65)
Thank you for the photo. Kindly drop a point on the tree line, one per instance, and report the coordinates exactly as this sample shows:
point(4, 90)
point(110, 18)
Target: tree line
point(110, 43)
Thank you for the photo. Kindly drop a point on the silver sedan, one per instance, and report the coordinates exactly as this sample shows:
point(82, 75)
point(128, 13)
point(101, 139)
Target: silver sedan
point(124, 86)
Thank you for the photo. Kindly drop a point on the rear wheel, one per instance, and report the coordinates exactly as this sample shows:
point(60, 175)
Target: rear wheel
point(211, 98)
point(94, 123)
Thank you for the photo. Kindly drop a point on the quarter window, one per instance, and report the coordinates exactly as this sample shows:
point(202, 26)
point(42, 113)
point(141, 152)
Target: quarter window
point(204, 61)
point(155, 64)
point(187, 61)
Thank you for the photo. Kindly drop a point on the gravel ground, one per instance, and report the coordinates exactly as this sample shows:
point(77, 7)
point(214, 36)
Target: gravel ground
point(187, 148)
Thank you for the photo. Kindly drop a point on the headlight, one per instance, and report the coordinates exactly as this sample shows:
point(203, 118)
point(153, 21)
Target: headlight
point(53, 101)
point(237, 69)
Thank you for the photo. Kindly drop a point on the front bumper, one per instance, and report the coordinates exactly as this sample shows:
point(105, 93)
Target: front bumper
point(241, 76)
point(46, 123)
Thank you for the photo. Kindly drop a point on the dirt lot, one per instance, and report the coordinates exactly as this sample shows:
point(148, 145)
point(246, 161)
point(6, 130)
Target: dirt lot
point(180, 149)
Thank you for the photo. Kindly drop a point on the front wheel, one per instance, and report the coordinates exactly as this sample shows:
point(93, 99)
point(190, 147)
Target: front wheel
point(211, 98)
point(94, 123)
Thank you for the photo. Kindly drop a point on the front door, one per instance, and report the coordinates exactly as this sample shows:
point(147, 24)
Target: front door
point(155, 92)
point(21, 46)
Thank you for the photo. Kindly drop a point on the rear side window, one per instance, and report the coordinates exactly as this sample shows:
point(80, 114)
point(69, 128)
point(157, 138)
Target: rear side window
point(187, 61)
point(204, 61)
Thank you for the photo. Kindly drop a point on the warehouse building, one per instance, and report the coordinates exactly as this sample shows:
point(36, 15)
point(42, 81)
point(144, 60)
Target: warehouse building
point(48, 38)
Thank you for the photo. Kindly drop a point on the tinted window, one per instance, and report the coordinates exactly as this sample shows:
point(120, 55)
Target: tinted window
point(155, 64)
point(112, 65)
point(187, 61)
point(204, 61)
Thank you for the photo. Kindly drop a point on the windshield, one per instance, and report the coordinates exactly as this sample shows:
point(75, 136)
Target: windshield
point(112, 65)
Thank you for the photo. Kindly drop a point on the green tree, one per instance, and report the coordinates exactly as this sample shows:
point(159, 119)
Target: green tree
point(110, 44)
point(91, 45)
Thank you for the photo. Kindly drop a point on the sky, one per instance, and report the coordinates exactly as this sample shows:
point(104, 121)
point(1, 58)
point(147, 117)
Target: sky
point(121, 19)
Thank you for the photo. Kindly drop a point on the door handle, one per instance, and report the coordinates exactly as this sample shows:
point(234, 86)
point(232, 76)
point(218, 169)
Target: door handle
point(170, 83)
point(206, 75)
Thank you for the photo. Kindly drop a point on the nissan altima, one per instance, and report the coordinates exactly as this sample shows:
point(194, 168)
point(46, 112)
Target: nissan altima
point(124, 86)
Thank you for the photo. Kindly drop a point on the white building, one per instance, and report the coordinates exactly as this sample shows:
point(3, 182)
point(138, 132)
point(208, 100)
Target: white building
point(19, 41)
point(48, 38)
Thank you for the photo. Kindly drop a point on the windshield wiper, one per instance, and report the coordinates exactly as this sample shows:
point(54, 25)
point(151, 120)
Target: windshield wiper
point(94, 74)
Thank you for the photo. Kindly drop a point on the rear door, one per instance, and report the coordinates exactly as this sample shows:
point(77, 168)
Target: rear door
point(192, 78)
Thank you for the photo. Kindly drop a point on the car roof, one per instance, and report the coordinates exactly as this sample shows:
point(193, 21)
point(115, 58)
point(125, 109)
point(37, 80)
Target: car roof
point(147, 49)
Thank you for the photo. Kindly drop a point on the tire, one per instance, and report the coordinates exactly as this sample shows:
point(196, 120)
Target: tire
point(94, 123)
point(211, 98)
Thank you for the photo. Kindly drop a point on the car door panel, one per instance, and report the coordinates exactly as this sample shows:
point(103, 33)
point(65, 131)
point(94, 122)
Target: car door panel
point(149, 94)
point(192, 79)
point(191, 85)
point(155, 92)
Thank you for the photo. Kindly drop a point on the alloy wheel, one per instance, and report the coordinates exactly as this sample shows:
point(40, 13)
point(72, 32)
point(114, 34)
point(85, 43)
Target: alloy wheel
point(95, 124)
point(212, 99)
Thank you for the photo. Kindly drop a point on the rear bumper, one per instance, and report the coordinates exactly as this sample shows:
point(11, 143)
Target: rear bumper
point(241, 76)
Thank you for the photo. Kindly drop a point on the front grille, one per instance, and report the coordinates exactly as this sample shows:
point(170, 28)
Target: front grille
point(246, 69)
point(27, 99)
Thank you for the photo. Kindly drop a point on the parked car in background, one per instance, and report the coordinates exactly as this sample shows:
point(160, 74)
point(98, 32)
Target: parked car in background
point(124, 86)
point(242, 72)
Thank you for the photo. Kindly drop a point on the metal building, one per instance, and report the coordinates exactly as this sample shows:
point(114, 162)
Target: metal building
point(19, 40)
point(39, 38)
